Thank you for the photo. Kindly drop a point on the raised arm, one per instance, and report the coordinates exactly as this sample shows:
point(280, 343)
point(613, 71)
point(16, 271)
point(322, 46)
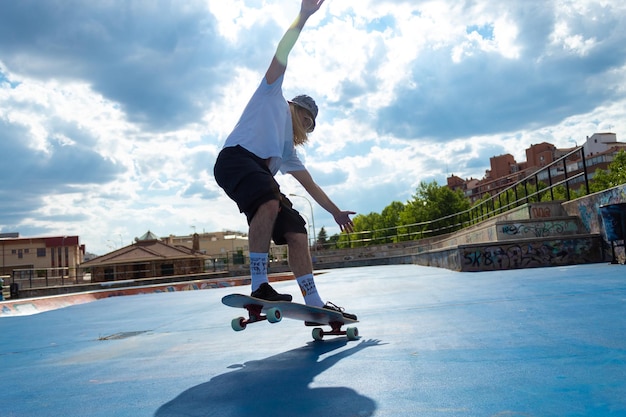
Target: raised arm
point(279, 61)
point(342, 217)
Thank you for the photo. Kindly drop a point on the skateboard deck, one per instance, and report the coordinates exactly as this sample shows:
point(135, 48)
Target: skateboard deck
point(274, 311)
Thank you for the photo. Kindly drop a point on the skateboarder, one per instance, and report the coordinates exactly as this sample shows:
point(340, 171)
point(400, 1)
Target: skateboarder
point(262, 143)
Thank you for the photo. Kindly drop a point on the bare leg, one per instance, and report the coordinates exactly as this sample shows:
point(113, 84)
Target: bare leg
point(261, 226)
point(299, 255)
point(259, 236)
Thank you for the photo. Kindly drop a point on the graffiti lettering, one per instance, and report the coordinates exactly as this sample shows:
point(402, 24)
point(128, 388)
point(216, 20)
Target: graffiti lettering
point(535, 230)
point(534, 254)
point(541, 212)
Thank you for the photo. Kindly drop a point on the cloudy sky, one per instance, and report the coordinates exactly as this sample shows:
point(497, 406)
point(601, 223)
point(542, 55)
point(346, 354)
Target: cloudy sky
point(112, 112)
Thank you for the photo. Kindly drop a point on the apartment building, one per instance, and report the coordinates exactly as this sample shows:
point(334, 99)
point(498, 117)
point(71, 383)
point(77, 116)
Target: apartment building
point(505, 170)
point(53, 256)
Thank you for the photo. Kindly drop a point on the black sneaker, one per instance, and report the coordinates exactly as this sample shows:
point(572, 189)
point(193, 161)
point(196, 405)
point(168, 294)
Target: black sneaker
point(266, 292)
point(333, 307)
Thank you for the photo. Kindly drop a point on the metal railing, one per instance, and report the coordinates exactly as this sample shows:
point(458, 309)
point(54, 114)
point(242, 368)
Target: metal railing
point(46, 277)
point(487, 208)
point(540, 185)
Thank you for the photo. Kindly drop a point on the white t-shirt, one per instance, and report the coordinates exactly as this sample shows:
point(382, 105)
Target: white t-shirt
point(265, 129)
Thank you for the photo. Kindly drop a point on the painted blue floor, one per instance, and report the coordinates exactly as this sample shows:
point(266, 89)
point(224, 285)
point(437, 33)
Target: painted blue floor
point(535, 342)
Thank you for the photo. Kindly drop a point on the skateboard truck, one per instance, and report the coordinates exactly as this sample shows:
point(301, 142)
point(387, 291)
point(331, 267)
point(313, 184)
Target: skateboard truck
point(273, 315)
point(352, 333)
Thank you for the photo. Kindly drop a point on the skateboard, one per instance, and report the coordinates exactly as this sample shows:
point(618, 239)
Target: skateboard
point(274, 311)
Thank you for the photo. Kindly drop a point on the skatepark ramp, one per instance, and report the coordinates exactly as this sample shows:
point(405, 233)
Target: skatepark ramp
point(535, 234)
point(532, 235)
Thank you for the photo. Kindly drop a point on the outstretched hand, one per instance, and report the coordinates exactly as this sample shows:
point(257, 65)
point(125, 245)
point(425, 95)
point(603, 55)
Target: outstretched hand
point(343, 220)
point(309, 7)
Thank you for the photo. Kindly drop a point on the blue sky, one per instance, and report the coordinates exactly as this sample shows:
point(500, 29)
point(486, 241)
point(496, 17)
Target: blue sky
point(112, 113)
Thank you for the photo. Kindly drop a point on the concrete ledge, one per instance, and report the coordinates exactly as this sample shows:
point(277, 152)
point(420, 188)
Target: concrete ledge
point(533, 228)
point(523, 253)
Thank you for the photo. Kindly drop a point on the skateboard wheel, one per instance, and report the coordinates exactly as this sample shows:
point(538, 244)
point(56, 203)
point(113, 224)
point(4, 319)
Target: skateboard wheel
point(238, 324)
point(318, 334)
point(352, 333)
point(274, 315)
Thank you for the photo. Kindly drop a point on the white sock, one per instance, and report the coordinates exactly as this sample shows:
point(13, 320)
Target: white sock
point(258, 269)
point(309, 291)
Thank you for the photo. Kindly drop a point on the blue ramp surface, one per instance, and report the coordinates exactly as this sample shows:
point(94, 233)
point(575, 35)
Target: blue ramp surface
point(535, 342)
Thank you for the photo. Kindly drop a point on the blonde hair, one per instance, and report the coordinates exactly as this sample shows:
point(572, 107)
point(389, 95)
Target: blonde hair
point(300, 135)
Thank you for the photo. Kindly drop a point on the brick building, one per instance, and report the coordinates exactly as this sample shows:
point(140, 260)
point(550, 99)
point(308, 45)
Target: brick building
point(504, 171)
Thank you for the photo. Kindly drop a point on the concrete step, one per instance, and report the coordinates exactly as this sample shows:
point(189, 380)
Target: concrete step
point(528, 220)
point(575, 249)
point(531, 228)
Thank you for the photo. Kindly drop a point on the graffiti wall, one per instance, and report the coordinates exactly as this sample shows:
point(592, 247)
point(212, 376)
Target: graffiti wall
point(446, 258)
point(546, 210)
point(588, 210)
point(533, 228)
point(534, 254)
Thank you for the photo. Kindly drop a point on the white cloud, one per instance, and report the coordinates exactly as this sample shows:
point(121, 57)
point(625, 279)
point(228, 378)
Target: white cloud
point(111, 115)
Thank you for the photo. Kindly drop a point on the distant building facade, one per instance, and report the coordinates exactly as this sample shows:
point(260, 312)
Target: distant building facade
point(540, 155)
point(501, 166)
point(148, 257)
point(228, 246)
point(504, 171)
point(600, 143)
point(52, 256)
point(214, 244)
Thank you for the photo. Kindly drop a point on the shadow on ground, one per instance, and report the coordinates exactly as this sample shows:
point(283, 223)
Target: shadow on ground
point(277, 386)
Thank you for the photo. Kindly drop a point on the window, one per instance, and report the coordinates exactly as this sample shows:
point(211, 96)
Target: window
point(167, 269)
point(109, 274)
point(41, 252)
point(140, 270)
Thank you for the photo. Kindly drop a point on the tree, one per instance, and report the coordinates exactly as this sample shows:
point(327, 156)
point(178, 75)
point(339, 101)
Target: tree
point(322, 238)
point(375, 228)
point(413, 220)
point(390, 218)
point(368, 228)
point(615, 176)
point(434, 202)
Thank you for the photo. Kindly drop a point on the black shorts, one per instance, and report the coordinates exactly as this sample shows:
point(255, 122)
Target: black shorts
point(247, 180)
